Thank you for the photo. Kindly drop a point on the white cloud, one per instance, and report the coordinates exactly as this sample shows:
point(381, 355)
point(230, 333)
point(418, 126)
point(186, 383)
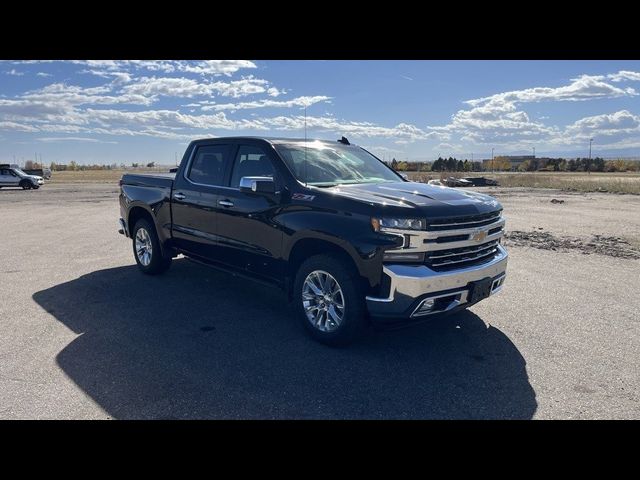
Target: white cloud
point(20, 127)
point(75, 95)
point(585, 87)
point(188, 87)
point(217, 67)
point(610, 129)
point(266, 103)
point(202, 67)
point(275, 92)
point(498, 119)
point(72, 139)
point(43, 74)
point(624, 75)
point(14, 72)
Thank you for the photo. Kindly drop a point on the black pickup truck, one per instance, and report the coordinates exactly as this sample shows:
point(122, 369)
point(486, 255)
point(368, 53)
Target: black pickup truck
point(349, 240)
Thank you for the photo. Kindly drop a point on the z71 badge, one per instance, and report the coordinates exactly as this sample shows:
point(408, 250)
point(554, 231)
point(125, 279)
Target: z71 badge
point(302, 196)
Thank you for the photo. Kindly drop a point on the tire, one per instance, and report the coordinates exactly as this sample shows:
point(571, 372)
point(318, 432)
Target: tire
point(26, 184)
point(35, 187)
point(144, 235)
point(353, 319)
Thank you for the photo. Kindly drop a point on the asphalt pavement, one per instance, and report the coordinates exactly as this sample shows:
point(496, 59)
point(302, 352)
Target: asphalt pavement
point(83, 334)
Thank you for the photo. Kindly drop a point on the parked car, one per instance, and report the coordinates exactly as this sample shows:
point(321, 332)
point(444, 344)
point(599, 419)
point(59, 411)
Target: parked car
point(15, 177)
point(348, 239)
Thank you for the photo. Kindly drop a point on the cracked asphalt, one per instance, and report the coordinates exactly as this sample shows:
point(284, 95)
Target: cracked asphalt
point(84, 335)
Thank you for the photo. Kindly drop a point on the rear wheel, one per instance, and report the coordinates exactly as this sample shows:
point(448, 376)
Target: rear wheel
point(329, 300)
point(146, 249)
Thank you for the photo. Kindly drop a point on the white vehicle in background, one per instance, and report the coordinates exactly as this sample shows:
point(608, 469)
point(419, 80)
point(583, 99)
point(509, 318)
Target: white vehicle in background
point(15, 177)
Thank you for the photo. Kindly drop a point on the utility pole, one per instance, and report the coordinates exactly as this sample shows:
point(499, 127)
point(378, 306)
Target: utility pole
point(590, 142)
point(492, 160)
point(534, 152)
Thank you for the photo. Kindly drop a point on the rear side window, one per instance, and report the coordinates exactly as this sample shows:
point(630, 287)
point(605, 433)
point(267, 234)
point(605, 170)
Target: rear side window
point(251, 162)
point(209, 164)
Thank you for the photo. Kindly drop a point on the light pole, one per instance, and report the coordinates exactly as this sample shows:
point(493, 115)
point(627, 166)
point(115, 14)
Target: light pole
point(590, 142)
point(534, 152)
point(492, 159)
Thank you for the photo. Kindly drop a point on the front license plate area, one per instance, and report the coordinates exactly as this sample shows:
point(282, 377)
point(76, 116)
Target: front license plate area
point(480, 290)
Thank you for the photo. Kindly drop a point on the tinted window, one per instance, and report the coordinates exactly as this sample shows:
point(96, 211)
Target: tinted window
point(208, 165)
point(251, 162)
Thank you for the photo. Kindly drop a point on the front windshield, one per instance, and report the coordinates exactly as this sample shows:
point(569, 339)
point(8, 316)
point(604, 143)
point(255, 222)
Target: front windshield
point(323, 164)
point(19, 172)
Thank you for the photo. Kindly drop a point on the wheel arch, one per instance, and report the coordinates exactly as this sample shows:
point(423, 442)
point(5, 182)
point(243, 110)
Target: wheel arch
point(308, 247)
point(142, 211)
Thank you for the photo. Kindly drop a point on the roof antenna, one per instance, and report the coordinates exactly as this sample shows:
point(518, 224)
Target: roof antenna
point(344, 140)
point(305, 146)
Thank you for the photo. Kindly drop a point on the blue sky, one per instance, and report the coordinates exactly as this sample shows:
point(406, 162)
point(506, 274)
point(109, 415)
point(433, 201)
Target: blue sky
point(142, 111)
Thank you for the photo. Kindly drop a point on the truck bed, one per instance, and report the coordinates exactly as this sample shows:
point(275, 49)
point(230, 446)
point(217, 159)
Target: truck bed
point(163, 180)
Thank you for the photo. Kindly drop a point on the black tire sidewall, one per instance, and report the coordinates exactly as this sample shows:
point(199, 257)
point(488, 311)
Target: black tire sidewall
point(158, 263)
point(354, 319)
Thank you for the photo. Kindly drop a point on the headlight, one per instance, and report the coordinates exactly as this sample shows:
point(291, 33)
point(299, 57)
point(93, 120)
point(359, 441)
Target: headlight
point(398, 223)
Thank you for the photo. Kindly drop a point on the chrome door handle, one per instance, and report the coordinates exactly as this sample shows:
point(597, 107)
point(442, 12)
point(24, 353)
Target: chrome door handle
point(225, 203)
point(179, 196)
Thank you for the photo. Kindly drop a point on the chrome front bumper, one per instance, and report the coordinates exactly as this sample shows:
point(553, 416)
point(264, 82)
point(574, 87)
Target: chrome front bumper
point(411, 285)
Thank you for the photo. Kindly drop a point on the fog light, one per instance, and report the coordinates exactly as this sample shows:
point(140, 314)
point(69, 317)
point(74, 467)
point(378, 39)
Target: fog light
point(425, 307)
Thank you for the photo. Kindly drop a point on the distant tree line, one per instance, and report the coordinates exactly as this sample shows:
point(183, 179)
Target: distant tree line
point(74, 166)
point(440, 165)
point(596, 164)
point(452, 164)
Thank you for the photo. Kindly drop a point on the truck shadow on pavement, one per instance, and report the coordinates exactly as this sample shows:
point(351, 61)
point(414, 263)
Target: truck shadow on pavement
point(195, 343)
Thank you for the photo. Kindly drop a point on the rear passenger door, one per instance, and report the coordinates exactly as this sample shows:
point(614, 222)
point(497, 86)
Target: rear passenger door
point(195, 198)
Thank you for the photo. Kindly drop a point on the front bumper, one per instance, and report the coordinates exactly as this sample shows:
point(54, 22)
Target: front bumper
point(412, 285)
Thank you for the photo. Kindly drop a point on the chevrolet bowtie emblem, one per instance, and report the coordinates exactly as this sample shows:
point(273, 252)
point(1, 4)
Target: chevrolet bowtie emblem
point(479, 236)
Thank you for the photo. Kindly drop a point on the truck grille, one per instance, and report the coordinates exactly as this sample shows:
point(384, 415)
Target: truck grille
point(455, 258)
point(459, 223)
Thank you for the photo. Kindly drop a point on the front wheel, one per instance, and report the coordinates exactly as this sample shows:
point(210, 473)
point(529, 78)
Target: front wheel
point(146, 249)
point(329, 300)
point(26, 184)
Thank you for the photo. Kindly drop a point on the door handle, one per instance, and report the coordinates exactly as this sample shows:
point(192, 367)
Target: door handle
point(225, 203)
point(179, 196)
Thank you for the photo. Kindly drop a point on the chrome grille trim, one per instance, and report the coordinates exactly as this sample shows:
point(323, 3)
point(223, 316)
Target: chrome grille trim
point(476, 258)
point(418, 241)
point(471, 221)
point(484, 246)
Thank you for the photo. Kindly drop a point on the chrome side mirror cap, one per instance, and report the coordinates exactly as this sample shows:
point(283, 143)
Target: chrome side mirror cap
point(257, 185)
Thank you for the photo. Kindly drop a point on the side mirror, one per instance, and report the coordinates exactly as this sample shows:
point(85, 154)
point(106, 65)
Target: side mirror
point(257, 185)
point(405, 176)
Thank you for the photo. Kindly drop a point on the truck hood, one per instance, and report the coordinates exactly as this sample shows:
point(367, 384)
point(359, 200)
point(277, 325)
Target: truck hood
point(412, 198)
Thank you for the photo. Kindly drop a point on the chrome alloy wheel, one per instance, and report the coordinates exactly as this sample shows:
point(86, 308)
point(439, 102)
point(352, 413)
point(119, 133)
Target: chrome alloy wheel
point(144, 247)
point(323, 301)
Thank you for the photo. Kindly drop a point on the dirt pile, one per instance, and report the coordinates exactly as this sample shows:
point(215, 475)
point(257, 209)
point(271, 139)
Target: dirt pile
point(600, 244)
